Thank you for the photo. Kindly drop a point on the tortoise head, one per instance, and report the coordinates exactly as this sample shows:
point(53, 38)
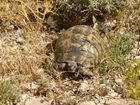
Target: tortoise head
point(70, 65)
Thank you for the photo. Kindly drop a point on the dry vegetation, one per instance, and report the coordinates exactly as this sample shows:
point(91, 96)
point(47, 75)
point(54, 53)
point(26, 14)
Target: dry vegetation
point(28, 27)
point(22, 43)
point(21, 54)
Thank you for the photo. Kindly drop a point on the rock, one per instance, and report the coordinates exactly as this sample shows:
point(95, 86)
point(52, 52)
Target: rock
point(30, 86)
point(119, 80)
point(97, 96)
point(87, 103)
point(103, 90)
point(96, 101)
point(138, 38)
point(122, 102)
point(137, 57)
point(37, 101)
point(84, 86)
point(24, 96)
point(102, 101)
point(53, 85)
point(113, 94)
point(10, 27)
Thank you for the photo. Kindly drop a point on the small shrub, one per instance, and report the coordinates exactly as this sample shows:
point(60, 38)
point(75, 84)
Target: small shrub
point(133, 79)
point(114, 58)
point(9, 93)
point(72, 12)
point(43, 81)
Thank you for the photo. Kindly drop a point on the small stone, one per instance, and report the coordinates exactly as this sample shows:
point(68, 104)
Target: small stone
point(103, 90)
point(20, 41)
point(84, 86)
point(137, 57)
point(30, 86)
point(118, 80)
point(24, 96)
point(37, 101)
point(105, 98)
point(97, 96)
point(10, 27)
point(34, 86)
point(96, 101)
point(122, 102)
point(100, 104)
point(102, 100)
point(87, 103)
point(112, 93)
point(72, 97)
point(18, 104)
point(116, 102)
point(52, 84)
point(138, 38)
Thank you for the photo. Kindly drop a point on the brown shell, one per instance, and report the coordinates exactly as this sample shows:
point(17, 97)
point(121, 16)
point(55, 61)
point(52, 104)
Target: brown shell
point(80, 44)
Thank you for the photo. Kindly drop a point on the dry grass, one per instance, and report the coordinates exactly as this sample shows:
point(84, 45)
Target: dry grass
point(22, 54)
point(28, 14)
point(23, 50)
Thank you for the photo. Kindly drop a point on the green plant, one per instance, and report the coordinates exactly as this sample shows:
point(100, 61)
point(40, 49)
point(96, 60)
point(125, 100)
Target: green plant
point(72, 12)
point(133, 78)
point(115, 56)
point(9, 92)
point(43, 81)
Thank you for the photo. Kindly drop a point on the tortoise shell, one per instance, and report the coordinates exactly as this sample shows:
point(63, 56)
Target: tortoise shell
point(78, 47)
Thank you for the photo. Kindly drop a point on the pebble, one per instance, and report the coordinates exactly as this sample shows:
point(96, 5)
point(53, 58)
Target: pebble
point(84, 86)
point(96, 101)
point(97, 96)
point(119, 80)
point(87, 103)
point(122, 102)
point(30, 86)
point(137, 57)
point(112, 93)
point(24, 96)
point(102, 100)
point(37, 101)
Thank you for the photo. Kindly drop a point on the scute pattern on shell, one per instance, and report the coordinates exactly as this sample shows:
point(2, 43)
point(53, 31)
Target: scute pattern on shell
point(80, 44)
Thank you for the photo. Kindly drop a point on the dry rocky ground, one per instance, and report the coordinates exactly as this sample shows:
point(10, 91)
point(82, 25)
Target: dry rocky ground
point(56, 91)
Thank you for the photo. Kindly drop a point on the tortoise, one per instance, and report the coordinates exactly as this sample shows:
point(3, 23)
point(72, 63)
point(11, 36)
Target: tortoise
point(78, 49)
